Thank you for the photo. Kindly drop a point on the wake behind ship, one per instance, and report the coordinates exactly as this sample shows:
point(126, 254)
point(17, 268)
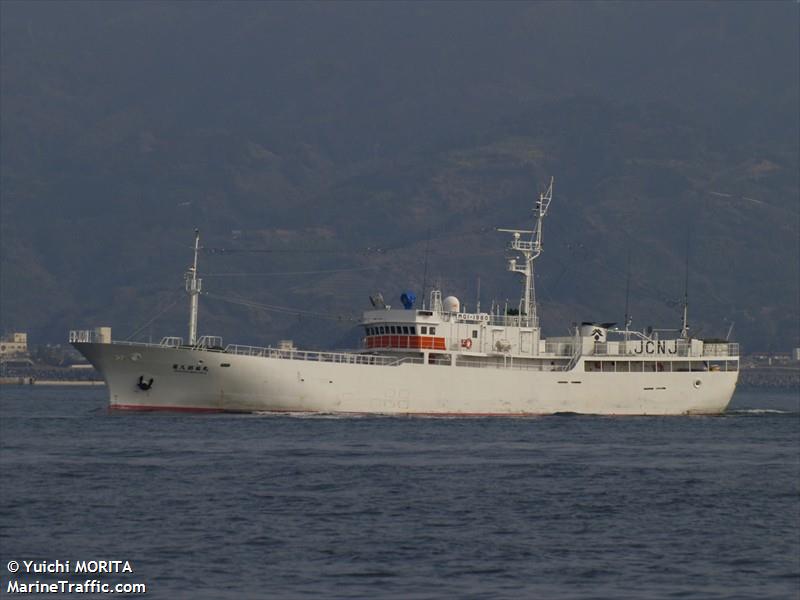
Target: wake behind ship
point(430, 360)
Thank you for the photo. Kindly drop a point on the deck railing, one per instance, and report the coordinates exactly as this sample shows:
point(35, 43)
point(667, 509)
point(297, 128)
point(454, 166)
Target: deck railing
point(722, 349)
point(665, 348)
point(81, 335)
point(93, 336)
point(351, 358)
point(515, 365)
point(357, 358)
point(510, 321)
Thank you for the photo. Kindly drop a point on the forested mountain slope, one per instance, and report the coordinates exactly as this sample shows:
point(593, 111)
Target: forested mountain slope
point(332, 149)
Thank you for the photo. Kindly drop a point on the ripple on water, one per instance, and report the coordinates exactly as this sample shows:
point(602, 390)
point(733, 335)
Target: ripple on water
point(300, 506)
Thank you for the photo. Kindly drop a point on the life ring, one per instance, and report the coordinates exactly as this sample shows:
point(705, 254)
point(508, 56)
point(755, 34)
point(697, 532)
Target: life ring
point(467, 343)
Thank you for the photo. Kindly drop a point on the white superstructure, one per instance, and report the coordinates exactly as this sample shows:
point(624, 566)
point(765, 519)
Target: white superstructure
point(437, 360)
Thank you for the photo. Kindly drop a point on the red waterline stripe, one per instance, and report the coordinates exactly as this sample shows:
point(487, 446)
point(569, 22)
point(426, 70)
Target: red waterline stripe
point(183, 409)
point(189, 409)
point(516, 415)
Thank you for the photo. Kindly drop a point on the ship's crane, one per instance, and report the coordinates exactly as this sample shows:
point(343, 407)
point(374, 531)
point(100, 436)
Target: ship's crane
point(530, 251)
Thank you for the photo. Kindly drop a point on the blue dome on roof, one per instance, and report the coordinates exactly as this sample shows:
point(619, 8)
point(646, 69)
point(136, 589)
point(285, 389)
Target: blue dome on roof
point(408, 299)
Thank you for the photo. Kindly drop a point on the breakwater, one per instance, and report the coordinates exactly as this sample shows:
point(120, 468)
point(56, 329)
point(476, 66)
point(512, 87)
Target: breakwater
point(770, 377)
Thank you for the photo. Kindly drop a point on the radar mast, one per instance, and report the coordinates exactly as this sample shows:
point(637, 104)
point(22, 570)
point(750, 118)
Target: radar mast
point(530, 251)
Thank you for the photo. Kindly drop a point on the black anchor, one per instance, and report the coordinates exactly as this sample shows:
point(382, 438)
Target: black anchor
point(144, 385)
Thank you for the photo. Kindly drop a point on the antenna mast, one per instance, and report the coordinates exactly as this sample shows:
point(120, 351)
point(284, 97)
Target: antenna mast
point(685, 320)
point(628, 294)
point(425, 268)
point(530, 250)
point(193, 286)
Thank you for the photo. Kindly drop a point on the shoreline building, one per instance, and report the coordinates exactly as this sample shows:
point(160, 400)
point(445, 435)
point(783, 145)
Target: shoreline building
point(14, 345)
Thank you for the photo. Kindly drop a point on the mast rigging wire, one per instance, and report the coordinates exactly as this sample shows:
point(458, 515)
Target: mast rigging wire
point(363, 250)
point(281, 309)
point(318, 272)
point(158, 314)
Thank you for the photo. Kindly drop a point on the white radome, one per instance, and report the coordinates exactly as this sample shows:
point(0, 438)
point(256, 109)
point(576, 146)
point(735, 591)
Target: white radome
point(451, 304)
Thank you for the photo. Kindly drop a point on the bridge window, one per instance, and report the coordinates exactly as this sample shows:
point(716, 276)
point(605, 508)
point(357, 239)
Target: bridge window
point(432, 330)
point(413, 330)
point(423, 330)
point(382, 330)
point(405, 329)
point(474, 333)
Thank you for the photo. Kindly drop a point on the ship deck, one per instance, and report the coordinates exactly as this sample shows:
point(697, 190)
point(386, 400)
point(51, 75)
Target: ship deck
point(603, 357)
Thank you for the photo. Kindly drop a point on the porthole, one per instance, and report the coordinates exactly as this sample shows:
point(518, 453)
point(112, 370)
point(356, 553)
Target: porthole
point(697, 383)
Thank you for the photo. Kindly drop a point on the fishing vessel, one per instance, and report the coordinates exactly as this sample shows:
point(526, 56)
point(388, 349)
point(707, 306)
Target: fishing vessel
point(433, 359)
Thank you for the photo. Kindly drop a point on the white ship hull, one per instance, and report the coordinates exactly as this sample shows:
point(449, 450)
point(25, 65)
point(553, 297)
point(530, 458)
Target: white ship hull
point(433, 360)
point(264, 383)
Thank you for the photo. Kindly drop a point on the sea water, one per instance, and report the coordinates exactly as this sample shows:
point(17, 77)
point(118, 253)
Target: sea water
point(260, 506)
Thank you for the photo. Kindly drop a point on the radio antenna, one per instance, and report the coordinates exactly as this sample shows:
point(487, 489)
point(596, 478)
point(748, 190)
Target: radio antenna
point(685, 321)
point(425, 267)
point(627, 294)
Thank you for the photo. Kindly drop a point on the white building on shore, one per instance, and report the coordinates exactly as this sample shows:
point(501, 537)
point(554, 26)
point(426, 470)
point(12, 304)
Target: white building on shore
point(14, 345)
